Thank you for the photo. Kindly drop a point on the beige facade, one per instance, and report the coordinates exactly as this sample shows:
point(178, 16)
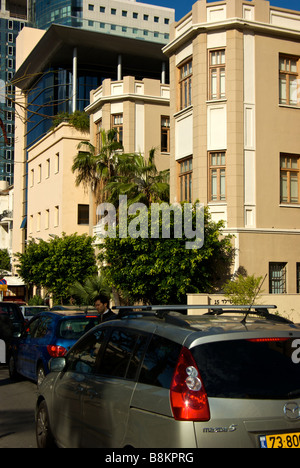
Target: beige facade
point(55, 204)
point(235, 119)
point(140, 111)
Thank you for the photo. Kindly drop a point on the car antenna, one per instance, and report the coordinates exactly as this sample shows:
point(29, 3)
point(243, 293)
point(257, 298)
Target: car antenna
point(251, 305)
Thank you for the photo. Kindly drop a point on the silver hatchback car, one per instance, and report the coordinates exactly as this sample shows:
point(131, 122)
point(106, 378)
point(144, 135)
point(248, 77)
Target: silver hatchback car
point(160, 379)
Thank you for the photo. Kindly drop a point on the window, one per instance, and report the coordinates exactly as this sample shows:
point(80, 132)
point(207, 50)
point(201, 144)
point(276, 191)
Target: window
point(98, 136)
point(185, 85)
point(289, 178)
point(91, 7)
point(32, 178)
point(165, 134)
point(38, 221)
point(124, 13)
point(123, 354)
point(159, 362)
point(185, 179)
point(113, 11)
point(156, 19)
point(117, 123)
point(146, 17)
point(217, 176)
point(82, 358)
point(216, 74)
point(83, 214)
point(56, 216)
point(47, 168)
point(277, 278)
point(56, 163)
point(288, 80)
point(47, 219)
point(102, 9)
point(135, 15)
point(298, 277)
point(39, 173)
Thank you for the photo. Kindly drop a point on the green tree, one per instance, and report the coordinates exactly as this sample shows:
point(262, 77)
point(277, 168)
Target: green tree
point(243, 290)
point(162, 270)
point(5, 260)
point(57, 264)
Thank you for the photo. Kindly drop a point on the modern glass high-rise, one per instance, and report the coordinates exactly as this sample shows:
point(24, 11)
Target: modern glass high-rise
point(13, 17)
point(129, 19)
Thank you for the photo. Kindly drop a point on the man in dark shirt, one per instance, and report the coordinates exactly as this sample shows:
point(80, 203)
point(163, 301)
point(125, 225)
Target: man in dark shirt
point(102, 305)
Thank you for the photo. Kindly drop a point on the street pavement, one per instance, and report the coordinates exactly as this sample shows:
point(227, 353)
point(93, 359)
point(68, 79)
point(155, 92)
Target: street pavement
point(17, 405)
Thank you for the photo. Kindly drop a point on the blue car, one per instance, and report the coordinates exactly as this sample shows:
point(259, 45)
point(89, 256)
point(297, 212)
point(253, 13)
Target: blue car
point(47, 335)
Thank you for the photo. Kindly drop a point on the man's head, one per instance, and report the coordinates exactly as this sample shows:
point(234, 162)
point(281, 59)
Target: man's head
point(101, 303)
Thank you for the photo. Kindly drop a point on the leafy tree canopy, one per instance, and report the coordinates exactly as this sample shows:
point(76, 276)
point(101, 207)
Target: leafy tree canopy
point(58, 263)
point(162, 270)
point(4, 260)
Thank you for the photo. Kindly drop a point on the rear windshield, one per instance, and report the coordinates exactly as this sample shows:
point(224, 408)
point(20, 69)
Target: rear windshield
point(73, 328)
point(249, 369)
point(31, 311)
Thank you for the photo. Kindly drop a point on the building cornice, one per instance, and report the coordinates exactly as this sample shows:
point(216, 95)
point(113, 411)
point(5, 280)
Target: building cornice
point(231, 23)
point(126, 97)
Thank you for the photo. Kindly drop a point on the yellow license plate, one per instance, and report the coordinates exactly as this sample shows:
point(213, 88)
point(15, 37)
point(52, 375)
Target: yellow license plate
point(281, 440)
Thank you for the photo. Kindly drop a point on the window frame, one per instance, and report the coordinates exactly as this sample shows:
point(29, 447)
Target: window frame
point(289, 172)
point(288, 74)
point(277, 285)
point(218, 168)
point(118, 126)
point(185, 84)
point(185, 180)
point(165, 134)
point(218, 67)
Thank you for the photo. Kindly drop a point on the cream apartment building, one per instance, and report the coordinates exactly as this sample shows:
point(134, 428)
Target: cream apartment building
point(235, 121)
point(139, 111)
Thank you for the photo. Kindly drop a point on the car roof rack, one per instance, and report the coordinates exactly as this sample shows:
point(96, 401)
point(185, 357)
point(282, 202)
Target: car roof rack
point(162, 311)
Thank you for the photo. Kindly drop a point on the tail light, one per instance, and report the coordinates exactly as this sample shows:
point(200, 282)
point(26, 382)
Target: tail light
point(56, 351)
point(189, 400)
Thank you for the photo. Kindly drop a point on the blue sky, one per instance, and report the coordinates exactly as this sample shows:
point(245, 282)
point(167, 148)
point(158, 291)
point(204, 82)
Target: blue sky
point(182, 7)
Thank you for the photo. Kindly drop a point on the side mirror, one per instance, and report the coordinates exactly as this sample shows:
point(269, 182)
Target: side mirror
point(57, 364)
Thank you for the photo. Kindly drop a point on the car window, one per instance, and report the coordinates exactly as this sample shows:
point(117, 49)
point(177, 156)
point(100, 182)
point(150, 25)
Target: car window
point(249, 369)
point(159, 362)
point(42, 328)
point(122, 354)
point(10, 310)
point(83, 357)
point(74, 327)
point(33, 324)
point(31, 311)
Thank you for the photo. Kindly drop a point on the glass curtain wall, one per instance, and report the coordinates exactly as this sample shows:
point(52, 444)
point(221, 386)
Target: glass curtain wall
point(44, 12)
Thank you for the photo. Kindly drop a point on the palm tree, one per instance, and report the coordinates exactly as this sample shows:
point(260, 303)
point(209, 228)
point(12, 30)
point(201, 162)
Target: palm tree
point(85, 293)
point(142, 182)
point(94, 168)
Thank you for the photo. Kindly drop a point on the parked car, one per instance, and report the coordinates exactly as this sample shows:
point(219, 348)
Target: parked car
point(47, 335)
point(11, 326)
point(11, 321)
point(30, 311)
point(160, 379)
